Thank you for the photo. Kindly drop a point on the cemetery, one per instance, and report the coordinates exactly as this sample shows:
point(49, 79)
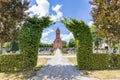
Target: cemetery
point(70, 49)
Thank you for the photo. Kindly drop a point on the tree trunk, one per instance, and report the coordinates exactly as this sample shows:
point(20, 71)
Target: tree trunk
point(1, 48)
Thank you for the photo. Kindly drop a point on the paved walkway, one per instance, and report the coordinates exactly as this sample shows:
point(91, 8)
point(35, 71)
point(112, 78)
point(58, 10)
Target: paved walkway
point(59, 68)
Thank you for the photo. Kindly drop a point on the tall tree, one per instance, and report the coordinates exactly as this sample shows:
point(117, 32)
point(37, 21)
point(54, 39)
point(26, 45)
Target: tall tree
point(106, 16)
point(12, 12)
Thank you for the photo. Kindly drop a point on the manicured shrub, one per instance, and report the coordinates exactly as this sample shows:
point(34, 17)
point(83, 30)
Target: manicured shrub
point(115, 61)
point(99, 61)
point(83, 40)
point(10, 62)
point(29, 37)
point(118, 61)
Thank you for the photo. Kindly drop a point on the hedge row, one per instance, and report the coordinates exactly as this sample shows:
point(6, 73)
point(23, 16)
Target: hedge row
point(14, 62)
point(99, 61)
point(115, 61)
point(29, 37)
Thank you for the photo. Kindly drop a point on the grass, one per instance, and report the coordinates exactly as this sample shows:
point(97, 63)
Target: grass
point(101, 74)
point(104, 74)
point(73, 60)
point(22, 75)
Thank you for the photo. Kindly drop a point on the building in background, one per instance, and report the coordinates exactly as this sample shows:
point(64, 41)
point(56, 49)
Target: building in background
point(57, 42)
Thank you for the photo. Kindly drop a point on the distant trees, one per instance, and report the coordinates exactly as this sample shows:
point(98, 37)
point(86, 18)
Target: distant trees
point(45, 45)
point(64, 44)
point(12, 12)
point(71, 43)
point(95, 36)
point(106, 16)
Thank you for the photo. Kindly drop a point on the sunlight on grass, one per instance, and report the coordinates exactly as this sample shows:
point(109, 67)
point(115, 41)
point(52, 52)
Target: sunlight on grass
point(101, 74)
point(23, 75)
point(73, 60)
point(105, 74)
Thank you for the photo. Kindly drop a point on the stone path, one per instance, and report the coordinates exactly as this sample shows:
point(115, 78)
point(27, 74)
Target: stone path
point(59, 68)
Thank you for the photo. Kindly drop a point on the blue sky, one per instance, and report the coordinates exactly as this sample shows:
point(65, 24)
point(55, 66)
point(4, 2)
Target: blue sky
point(56, 9)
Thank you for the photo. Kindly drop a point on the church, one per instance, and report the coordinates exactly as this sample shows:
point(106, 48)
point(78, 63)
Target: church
point(57, 42)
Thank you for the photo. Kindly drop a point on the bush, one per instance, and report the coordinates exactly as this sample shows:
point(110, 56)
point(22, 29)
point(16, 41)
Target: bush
point(15, 62)
point(29, 37)
point(118, 61)
point(83, 39)
point(11, 46)
point(10, 62)
point(99, 61)
point(115, 60)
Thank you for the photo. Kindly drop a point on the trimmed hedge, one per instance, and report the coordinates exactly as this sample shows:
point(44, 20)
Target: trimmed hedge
point(83, 39)
point(99, 61)
point(15, 62)
point(29, 37)
point(118, 61)
point(115, 61)
point(94, 61)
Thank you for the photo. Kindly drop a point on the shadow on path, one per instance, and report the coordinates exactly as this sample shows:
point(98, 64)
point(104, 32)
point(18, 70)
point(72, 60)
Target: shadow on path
point(59, 68)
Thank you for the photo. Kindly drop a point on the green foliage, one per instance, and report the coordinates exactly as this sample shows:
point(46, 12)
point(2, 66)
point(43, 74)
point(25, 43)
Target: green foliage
point(14, 46)
point(12, 12)
point(106, 16)
point(93, 30)
point(115, 61)
point(29, 37)
point(118, 61)
point(9, 62)
point(15, 62)
point(45, 45)
point(64, 44)
point(11, 46)
point(83, 39)
point(71, 43)
point(99, 61)
point(94, 61)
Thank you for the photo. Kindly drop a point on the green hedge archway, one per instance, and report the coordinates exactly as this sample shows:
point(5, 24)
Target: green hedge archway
point(83, 40)
point(30, 35)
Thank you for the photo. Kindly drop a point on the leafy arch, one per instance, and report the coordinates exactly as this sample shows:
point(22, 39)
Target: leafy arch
point(83, 40)
point(29, 37)
point(30, 34)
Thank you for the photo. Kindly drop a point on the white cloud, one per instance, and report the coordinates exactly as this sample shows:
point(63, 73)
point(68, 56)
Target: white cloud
point(45, 34)
point(46, 40)
point(67, 37)
point(41, 9)
point(58, 15)
point(56, 8)
point(90, 23)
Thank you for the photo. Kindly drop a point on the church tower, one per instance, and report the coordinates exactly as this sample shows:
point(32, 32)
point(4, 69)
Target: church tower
point(57, 41)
